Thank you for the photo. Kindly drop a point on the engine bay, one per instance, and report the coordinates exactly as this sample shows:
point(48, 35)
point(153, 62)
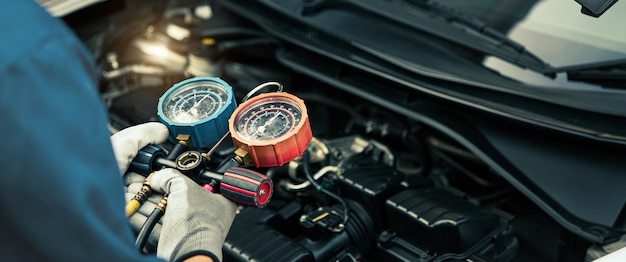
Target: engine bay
point(373, 184)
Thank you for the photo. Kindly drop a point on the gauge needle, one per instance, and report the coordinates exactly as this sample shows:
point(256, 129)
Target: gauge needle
point(196, 103)
point(272, 119)
point(265, 125)
point(258, 129)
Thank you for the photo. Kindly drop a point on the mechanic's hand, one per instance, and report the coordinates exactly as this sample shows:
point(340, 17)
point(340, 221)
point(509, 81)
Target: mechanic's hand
point(133, 183)
point(195, 222)
point(127, 142)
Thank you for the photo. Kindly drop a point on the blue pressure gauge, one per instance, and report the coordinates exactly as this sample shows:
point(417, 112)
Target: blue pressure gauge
point(199, 107)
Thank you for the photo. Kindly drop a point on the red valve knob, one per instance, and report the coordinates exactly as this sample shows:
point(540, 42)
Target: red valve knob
point(246, 187)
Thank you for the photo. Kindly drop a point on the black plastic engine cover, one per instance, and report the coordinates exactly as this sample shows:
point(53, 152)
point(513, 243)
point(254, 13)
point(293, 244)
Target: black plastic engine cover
point(435, 222)
point(250, 239)
point(371, 184)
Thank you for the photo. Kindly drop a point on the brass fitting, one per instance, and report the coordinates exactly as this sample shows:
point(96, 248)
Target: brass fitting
point(146, 191)
point(242, 156)
point(162, 204)
point(184, 139)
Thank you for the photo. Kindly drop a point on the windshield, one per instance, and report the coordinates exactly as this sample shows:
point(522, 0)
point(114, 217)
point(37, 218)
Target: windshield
point(554, 30)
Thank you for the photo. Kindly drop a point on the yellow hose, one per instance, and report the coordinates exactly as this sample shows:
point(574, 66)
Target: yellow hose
point(132, 206)
point(146, 191)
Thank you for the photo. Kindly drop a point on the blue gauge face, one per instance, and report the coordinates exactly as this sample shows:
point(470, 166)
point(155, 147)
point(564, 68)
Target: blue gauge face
point(195, 102)
point(198, 107)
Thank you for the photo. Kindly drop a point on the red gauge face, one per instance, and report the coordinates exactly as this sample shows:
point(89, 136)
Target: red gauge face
point(268, 119)
point(272, 127)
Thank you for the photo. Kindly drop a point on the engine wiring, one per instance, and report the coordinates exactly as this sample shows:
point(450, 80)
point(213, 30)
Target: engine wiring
point(309, 176)
point(306, 184)
point(444, 150)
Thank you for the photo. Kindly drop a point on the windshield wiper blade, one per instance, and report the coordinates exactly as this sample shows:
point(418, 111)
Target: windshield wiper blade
point(445, 22)
point(595, 8)
point(606, 73)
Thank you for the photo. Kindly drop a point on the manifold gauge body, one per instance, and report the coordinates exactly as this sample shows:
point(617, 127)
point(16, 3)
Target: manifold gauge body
point(198, 107)
point(273, 128)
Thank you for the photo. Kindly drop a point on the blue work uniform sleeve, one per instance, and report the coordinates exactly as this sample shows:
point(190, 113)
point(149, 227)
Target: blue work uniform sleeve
point(61, 195)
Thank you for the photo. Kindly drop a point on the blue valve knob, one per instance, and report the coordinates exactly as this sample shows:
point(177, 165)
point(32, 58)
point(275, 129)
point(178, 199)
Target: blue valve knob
point(143, 163)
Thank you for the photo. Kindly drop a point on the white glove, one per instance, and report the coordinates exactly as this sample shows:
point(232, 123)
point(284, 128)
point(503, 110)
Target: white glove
point(195, 222)
point(127, 142)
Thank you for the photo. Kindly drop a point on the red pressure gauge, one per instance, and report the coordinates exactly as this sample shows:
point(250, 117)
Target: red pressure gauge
point(272, 127)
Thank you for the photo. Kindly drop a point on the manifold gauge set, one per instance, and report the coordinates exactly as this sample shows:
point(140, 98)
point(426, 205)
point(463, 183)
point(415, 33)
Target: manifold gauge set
point(273, 128)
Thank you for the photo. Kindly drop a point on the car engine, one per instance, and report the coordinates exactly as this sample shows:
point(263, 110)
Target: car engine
point(373, 185)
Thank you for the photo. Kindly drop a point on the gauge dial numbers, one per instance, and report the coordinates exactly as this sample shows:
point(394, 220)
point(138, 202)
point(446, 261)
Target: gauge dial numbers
point(273, 127)
point(268, 121)
point(195, 102)
point(199, 107)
